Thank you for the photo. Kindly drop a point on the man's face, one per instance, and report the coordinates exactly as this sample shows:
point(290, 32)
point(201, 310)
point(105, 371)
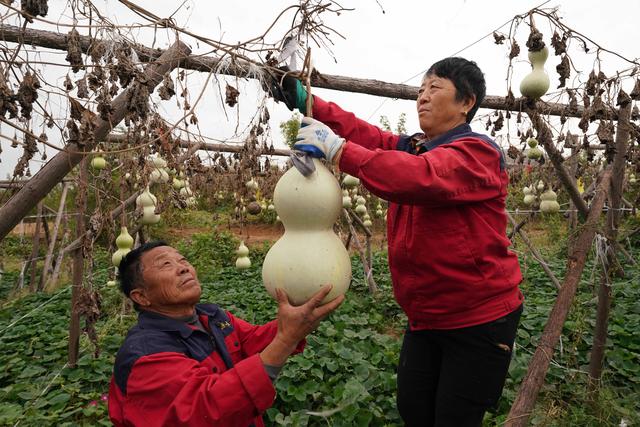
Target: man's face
point(169, 281)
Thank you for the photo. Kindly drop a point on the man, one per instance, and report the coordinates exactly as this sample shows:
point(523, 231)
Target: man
point(194, 364)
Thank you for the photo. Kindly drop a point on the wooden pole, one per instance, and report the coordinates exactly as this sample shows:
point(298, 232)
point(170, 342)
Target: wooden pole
point(35, 249)
point(611, 231)
point(78, 265)
point(47, 269)
point(62, 163)
point(539, 364)
point(235, 147)
point(241, 68)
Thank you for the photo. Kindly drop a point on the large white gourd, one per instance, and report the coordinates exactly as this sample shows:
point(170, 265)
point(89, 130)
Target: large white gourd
point(536, 83)
point(309, 255)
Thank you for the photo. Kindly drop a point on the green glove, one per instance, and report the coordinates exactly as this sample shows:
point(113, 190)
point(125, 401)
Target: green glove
point(288, 90)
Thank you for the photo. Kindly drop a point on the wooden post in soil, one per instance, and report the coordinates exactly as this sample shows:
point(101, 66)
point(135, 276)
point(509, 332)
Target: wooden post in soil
point(611, 233)
point(60, 165)
point(47, 269)
point(35, 249)
point(78, 265)
point(539, 364)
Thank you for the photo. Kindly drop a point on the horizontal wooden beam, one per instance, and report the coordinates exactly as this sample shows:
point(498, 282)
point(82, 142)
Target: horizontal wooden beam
point(240, 68)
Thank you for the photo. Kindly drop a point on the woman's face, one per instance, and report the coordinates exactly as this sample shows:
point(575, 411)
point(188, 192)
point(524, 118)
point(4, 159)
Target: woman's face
point(438, 109)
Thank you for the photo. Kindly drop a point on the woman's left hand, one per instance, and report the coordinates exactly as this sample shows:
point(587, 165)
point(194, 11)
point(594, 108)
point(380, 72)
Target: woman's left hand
point(318, 140)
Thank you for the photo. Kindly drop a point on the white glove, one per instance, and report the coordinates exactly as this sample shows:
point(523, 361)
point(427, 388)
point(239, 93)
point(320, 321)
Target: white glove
point(317, 139)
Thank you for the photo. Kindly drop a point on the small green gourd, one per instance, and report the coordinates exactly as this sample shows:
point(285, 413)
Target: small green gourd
point(536, 83)
point(124, 242)
point(98, 162)
point(534, 152)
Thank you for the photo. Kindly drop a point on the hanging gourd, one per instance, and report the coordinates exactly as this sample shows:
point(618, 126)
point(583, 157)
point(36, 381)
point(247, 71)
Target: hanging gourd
point(632, 179)
point(98, 162)
point(346, 199)
point(536, 83)
point(186, 191)
point(361, 209)
point(350, 181)
point(243, 262)
point(147, 202)
point(124, 242)
point(178, 183)
point(534, 152)
point(540, 185)
point(112, 283)
point(366, 220)
point(529, 197)
point(159, 174)
point(308, 206)
point(379, 210)
point(549, 202)
point(251, 184)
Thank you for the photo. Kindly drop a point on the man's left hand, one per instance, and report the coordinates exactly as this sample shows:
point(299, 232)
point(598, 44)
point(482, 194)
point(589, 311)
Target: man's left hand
point(318, 140)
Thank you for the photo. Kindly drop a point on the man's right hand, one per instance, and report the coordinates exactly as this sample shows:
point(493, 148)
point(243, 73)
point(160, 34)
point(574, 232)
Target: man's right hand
point(288, 89)
point(295, 323)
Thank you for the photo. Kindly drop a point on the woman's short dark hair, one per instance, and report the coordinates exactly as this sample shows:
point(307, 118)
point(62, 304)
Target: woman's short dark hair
point(466, 77)
point(130, 270)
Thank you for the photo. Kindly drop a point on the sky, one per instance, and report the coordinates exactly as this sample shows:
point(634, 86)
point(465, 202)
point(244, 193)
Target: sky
point(391, 41)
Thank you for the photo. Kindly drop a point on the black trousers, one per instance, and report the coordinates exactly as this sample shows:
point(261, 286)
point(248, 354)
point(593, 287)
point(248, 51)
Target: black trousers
point(451, 377)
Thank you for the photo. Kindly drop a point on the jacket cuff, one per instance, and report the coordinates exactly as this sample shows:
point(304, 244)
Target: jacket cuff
point(353, 156)
point(256, 382)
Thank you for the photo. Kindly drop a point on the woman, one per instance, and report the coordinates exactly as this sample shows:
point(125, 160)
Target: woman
point(451, 269)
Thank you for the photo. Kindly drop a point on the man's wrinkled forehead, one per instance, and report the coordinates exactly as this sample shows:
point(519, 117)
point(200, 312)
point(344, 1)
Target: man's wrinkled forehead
point(158, 254)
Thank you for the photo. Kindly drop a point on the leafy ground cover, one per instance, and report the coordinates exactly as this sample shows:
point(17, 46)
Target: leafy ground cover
point(346, 377)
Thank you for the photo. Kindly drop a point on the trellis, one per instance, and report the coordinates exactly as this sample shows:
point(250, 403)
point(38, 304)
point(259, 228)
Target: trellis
point(609, 185)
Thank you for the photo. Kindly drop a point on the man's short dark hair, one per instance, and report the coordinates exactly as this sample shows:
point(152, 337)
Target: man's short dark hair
point(466, 77)
point(130, 269)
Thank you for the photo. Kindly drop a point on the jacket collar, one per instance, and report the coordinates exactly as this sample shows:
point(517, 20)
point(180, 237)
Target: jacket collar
point(159, 322)
point(447, 137)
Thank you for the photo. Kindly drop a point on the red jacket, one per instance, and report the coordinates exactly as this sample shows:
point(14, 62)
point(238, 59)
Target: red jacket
point(446, 223)
point(169, 374)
